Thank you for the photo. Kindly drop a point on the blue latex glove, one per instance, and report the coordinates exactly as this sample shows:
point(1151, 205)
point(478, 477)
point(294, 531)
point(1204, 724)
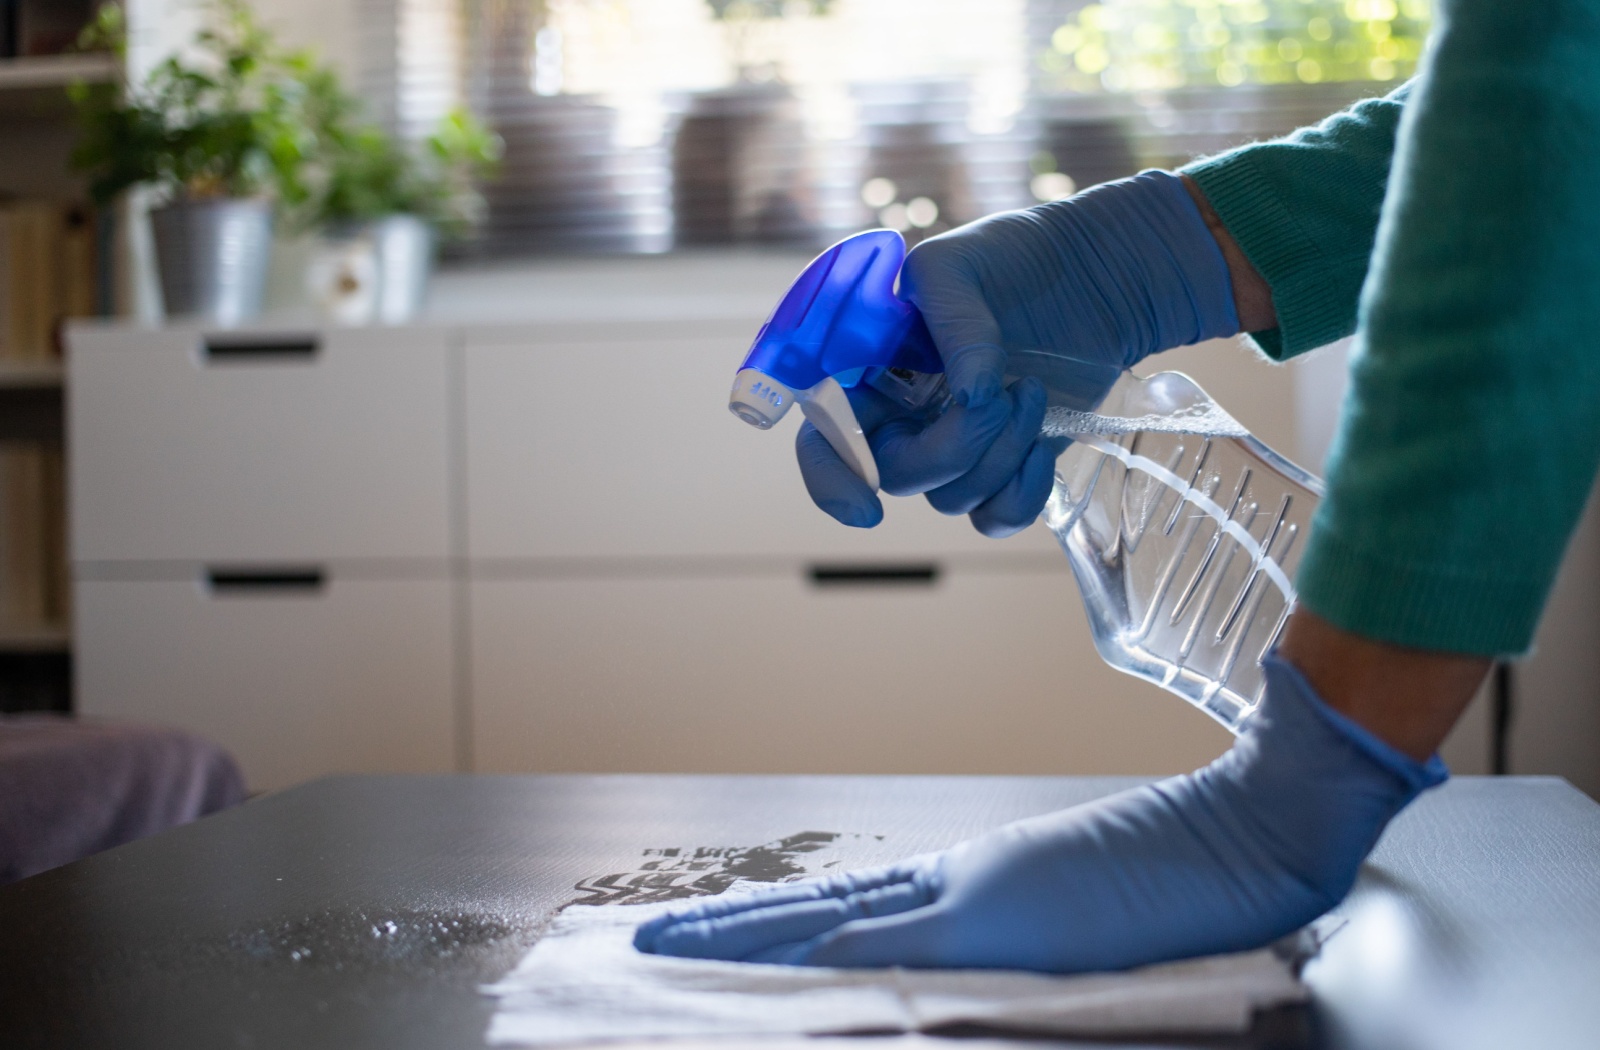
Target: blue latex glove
point(1228, 858)
point(1075, 292)
point(985, 460)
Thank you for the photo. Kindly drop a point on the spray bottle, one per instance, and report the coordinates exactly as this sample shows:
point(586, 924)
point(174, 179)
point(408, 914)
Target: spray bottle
point(1183, 529)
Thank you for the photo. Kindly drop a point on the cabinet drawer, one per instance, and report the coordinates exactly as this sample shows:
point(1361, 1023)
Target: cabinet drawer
point(627, 449)
point(296, 680)
point(973, 673)
point(258, 445)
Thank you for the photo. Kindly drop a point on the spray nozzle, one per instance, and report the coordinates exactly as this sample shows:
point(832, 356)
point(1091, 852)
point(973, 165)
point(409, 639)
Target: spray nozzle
point(840, 320)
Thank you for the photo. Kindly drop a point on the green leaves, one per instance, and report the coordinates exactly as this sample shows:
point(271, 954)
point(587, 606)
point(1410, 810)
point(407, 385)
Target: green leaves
point(225, 120)
point(238, 116)
point(358, 172)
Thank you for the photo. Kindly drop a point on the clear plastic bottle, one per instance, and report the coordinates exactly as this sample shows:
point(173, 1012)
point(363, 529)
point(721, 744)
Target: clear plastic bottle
point(1184, 533)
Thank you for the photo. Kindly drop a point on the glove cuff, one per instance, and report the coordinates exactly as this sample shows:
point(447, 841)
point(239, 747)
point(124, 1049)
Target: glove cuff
point(1322, 786)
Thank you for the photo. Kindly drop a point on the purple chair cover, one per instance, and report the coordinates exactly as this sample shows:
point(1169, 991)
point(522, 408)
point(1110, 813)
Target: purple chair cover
point(69, 788)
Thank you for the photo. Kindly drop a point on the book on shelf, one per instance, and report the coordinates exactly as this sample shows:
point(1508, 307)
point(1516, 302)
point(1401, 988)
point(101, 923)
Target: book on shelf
point(34, 591)
point(47, 275)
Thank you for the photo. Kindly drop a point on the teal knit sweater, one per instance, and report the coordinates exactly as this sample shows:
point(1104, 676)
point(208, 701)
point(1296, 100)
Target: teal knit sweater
point(1455, 227)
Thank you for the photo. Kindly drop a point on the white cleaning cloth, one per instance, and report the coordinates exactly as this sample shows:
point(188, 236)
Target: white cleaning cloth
point(585, 983)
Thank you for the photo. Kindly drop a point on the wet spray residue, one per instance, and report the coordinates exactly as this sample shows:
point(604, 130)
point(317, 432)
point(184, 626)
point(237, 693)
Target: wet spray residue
point(1206, 418)
point(679, 872)
point(477, 943)
point(389, 940)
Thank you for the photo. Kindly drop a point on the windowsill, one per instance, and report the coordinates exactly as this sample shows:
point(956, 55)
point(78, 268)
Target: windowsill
point(701, 284)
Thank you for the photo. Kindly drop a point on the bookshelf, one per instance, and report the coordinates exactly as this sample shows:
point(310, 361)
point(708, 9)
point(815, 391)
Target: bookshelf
point(31, 403)
point(31, 375)
point(36, 121)
point(50, 74)
point(35, 638)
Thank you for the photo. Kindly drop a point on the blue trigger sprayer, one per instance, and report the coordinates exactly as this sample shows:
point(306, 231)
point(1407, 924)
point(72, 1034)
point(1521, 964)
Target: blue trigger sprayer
point(838, 325)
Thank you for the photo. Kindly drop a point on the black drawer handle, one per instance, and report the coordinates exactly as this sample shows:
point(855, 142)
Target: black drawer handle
point(915, 574)
point(238, 348)
point(250, 580)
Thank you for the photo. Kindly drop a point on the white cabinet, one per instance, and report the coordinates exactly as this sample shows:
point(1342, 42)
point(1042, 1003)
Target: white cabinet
point(261, 535)
point(296, 679)
point(258, 446)
point(621, 445)
point(641, 593)
point(545, 547)
point(980, 672)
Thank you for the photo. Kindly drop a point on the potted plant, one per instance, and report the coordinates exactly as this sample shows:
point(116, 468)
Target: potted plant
point(216, 134)
point(381, 205)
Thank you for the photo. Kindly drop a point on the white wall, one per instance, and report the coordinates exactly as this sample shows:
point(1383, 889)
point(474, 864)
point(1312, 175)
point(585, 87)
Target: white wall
point(1556, 712)
point(328, 26)
point(156, 28)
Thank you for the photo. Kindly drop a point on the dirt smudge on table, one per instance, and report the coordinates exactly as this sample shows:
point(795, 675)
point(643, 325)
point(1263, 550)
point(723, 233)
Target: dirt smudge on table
point(680, 872)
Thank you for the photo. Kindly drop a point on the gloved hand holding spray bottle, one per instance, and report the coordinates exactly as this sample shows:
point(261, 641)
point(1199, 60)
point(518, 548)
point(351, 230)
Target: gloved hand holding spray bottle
point(1183, 532)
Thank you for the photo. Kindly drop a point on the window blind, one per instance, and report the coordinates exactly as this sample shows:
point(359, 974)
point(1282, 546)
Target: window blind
point(643, 125)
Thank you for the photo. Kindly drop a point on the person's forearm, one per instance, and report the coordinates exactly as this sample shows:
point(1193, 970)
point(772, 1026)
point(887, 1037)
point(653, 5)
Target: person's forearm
point(1469, 440)
point(1408, 698)
point(1252, 297)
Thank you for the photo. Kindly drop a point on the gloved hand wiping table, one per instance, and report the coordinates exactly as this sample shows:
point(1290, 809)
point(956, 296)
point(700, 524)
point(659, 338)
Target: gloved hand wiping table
point(1230, 857)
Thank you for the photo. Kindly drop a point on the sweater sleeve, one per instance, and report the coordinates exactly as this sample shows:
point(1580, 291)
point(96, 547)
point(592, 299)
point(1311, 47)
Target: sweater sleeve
point(1304, 209)
point(1471, 433)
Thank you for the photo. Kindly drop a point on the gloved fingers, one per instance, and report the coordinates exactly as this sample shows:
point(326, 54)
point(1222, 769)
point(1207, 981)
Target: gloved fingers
point(1019, 503)
point(720, 907)
point(833, 486)
point(1004, 457)
point(872, 409)
point(752, 933)
point(837, 886)
point(914, 456)
point(976, 370)
point(939, 280)
point(770, 933)
point(917, 938)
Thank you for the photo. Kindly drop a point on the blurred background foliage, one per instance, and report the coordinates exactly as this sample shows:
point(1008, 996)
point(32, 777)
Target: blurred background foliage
point(1164, 45)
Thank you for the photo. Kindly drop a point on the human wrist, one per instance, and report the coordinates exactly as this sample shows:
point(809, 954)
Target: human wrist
point(1413, 774)
point(1409, 698)
point(1252, 296)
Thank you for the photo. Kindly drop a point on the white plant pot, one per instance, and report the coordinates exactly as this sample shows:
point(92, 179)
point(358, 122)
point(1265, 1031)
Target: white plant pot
point(375, 271)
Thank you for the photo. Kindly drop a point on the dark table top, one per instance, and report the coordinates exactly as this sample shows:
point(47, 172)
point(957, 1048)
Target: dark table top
point(364, 911)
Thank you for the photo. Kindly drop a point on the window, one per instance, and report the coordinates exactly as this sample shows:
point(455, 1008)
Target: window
point(641, 125)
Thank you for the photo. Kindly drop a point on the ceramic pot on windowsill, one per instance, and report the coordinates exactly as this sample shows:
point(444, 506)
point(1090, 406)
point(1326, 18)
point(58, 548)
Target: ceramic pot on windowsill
point(375, 271)
point(212, 254)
